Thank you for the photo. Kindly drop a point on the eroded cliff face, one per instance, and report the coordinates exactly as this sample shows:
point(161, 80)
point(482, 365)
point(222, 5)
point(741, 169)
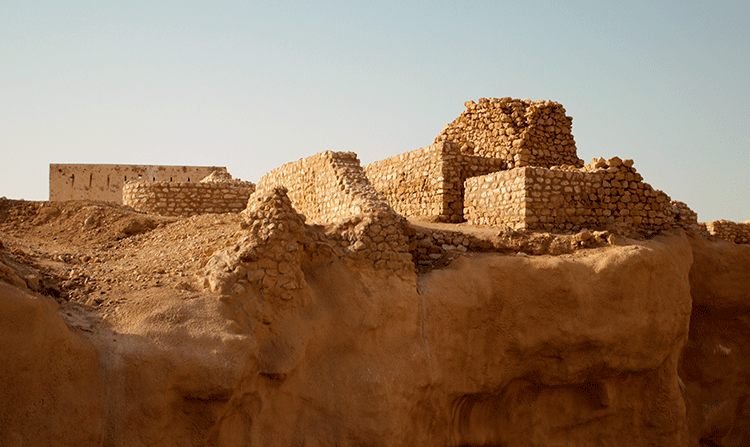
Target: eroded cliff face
point(715, 364)
point(51, 380)
point(493, 350)
point(569, 350)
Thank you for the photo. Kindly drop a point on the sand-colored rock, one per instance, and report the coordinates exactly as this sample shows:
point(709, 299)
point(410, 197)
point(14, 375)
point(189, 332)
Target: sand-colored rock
point(520, 350)
point(715, 363)
point(720, 275)
point(556, 351)
point(52, 386)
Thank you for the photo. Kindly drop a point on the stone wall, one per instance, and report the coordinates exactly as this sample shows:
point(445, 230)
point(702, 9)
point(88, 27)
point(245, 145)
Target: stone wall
point(684, 217)
point(105, 182)
point(738, 233)
point(429, 181)
point(275, 244)
point(328, 187)
point(332, 190)
point(187, 198)
point(518, 132)
point(599, 194)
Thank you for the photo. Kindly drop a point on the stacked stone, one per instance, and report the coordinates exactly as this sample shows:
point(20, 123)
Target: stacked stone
point(429, 182)
point(412, 182)
point(275, 242)
point(378, 239)
point(268, 256)
point(327, 187)
point(683, 216)
point(739, 233)
point(219, 177)
point(603, 192)
point(497, 199)
point(518, 132)
point(187, 198)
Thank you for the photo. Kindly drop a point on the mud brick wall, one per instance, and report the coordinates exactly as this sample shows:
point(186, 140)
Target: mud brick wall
point(601, 193)
point(326, 188)
point(105, 182)
point(518, 132)
point(738, 233)
point(429, 181)
point(187, 198)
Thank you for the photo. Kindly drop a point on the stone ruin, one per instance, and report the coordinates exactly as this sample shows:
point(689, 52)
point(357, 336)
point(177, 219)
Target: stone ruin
point(217, 192)
point(513, 163)
point(729, 231)
point(104, 182)
point(284, 229)
point(504, 162)
point(517, 132)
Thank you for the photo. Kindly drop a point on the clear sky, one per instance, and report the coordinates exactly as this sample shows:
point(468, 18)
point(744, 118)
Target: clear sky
point(251, 85)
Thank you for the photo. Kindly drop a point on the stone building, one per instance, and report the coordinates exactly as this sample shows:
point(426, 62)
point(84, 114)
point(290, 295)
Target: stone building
point(510, 162)
point(105, 182)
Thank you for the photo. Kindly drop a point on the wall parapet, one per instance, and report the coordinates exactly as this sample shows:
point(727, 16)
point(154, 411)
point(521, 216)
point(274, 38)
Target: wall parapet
point(518, 132)
point(187, 198)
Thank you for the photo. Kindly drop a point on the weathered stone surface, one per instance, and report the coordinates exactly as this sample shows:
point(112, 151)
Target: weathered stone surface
point(52, 386)
point(518, 132)
point(559, 199)
point(488, 351)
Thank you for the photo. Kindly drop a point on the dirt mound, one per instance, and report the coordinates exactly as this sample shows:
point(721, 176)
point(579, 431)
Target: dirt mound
point(90, 251)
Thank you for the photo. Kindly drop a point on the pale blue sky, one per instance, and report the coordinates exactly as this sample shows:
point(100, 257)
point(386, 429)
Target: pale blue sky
point(252, 85)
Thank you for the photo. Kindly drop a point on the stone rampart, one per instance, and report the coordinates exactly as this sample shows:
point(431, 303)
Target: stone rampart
point(187, 198)
point(429, 181)
point(736, 232)
point(518, 132)
point(328, 187)
point(599, 194)
point(105, 182)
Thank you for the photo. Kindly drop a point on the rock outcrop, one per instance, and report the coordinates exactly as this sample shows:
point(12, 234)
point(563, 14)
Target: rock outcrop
point(715, 363)
point(494, 349)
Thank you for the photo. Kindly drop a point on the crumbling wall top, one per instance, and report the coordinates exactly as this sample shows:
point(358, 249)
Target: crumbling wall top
point(326, 188)
point(519, 132)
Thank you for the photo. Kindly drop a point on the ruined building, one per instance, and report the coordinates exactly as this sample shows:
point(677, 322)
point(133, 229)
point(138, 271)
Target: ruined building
point(503, 162)
point(104, 182)
point(510, 162)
